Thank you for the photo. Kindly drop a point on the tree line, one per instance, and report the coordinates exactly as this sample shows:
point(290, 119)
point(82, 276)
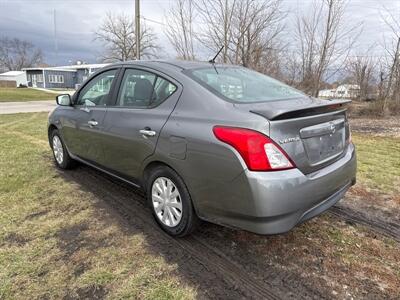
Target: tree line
point(320, 45)
point(16, 54)
point(306, 49)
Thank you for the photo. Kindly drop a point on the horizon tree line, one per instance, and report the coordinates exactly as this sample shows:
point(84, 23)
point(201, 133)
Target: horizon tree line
point(305, 51)
point(253, 34)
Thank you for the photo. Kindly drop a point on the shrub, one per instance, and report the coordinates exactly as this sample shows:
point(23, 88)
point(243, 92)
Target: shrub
point(375, 108)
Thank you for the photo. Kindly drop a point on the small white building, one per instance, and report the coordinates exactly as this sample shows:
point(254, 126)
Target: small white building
point(349, 91)
point(18, 76)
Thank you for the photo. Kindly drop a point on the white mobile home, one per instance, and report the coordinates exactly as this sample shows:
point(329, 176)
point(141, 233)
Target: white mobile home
point(19, 77)
point(349, 91)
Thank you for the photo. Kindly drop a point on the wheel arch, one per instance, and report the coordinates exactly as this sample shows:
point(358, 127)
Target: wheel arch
point(50, 129)
point(151, 165)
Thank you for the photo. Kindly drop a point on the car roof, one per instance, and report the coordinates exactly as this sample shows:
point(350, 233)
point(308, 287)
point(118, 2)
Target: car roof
point(175, 64)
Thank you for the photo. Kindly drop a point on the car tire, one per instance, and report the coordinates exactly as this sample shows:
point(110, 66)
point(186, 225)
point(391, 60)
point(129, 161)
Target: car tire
point(60, 153)
point(170, 208)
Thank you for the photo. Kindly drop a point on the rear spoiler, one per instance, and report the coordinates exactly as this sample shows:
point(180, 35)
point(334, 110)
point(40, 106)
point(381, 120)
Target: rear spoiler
point(308, 110)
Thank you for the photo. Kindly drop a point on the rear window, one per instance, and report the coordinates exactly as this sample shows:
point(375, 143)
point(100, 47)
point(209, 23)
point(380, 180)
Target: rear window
point(243, 85)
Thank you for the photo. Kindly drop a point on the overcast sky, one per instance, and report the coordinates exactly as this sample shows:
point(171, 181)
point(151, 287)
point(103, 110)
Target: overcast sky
point(76, 20)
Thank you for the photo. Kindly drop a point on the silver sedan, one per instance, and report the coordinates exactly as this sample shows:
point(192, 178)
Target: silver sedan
point(210, 142)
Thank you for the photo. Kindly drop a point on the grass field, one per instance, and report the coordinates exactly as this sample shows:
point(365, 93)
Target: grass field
point(24, 94)
point(378, 162)
point(58, 241)
point(55, 243)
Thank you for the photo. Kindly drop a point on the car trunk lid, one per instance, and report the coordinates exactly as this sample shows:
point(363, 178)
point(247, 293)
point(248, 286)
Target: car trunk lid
point(313, 132)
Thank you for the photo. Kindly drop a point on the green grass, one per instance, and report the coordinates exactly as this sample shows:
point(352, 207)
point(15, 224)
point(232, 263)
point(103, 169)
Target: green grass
point(24, 94)
point(56, 242)
point(378, 162)
point(43, 216)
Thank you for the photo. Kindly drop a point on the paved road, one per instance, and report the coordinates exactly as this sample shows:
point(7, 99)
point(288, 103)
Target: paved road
point(26, 107)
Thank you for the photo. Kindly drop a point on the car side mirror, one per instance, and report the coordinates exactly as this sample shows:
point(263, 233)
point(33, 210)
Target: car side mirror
point(64, 100)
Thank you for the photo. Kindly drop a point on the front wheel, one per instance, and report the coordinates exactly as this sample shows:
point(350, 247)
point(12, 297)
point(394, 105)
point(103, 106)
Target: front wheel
point(61, 156)
point(170, 202)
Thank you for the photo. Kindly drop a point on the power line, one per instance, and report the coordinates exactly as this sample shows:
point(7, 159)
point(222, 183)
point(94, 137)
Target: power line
point(153, 21)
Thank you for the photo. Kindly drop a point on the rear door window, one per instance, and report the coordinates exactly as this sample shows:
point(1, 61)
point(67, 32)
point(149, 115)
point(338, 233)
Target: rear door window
point(143, 89)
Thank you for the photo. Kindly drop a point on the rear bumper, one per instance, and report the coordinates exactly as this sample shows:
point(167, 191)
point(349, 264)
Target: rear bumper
point(275, 202)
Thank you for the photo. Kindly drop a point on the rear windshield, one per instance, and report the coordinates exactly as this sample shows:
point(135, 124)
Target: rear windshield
point(243, 85)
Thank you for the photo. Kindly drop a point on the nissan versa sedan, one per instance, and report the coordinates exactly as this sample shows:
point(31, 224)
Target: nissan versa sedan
point(210, 142)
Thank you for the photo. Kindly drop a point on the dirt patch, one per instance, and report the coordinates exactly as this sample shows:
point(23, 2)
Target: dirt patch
point(71, 233)
point(73, 238)
point(88, 292)
point(396, 200)
point(16, 239)
point(43, 273)
point(36, 215)
point(373, 203)
point(377, 126)
point(80, 269)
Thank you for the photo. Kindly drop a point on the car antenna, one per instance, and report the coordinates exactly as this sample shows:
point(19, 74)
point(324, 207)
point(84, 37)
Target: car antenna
point(213, 59)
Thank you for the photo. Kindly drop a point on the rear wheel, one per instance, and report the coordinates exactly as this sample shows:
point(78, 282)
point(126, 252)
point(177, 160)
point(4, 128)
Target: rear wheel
point(170, 201)
point(61, 156)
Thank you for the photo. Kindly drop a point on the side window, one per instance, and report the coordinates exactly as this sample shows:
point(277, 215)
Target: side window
point(163, 89)
point(143, 89)
point(97, 90)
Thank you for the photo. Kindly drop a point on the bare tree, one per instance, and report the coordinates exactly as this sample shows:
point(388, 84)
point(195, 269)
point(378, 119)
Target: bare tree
point(16, 54)
point(247, 30)
point(382, 78)
point(256, 26)
point(291, 68)
point(361, 69)
point(180, 28)
point(118, 34)
point(390, 76)
point(323, 38)
point(217, 16)
point(389, 63)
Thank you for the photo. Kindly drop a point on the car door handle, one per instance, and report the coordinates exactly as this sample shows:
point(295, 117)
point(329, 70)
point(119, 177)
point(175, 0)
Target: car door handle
point(92, 123)
point(85, 109)
point(147, 132)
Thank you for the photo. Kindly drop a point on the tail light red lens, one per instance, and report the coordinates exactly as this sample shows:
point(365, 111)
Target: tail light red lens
point(259, 152)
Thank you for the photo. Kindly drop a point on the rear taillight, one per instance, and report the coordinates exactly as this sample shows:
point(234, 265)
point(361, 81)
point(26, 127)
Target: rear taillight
point(259, 152)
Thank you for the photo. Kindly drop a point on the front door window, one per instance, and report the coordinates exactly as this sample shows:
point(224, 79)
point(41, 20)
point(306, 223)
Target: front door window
point(97, 91)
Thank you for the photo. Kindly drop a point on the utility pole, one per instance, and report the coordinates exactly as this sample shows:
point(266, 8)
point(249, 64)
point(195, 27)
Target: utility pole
point(137, 28)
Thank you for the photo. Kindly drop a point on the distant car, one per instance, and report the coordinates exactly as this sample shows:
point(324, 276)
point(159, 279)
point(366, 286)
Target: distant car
point(210, 142)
